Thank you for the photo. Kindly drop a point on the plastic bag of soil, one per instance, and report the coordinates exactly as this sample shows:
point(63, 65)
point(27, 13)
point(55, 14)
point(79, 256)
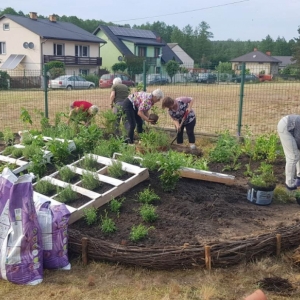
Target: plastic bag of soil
point(53, 220)
point(21, 255)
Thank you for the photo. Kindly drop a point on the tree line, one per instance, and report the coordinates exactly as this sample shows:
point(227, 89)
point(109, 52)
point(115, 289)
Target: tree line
point(196, 42)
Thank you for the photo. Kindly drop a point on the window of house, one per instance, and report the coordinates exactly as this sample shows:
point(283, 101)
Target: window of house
point(142, 51)
point(82, 51)
point(84, 71)
point(156, 52)
point(2, 48)
point(6, 26)
point(58, 49)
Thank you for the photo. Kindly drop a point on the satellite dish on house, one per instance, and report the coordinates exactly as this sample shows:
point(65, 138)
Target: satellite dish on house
point(31, 45)
point(25, 45)
point(120, 58)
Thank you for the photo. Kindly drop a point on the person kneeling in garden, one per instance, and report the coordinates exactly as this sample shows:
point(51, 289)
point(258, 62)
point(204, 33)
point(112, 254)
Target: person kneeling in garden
point(84, 110)
point(180, 110)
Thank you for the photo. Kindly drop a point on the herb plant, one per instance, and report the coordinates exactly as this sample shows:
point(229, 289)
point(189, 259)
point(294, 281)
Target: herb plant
point(90, 181)
point(139, 232)
point(90, 215)
point(115, 205)
point(115, 169)
point(66, 195)
point(148, 213)
point(147, 196)
point(8, 150)
point(89, 163)
point(45, 187)
point(107, 224)
point(66, 174)
point(17, 152)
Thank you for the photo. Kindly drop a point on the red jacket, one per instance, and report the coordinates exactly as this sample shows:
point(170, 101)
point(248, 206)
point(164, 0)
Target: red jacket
point(84, 105)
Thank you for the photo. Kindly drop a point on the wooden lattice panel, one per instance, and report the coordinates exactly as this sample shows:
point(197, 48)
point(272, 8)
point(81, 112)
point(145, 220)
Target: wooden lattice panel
point(118, 186)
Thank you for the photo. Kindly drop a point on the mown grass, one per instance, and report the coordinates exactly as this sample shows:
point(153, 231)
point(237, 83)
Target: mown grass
point(114, 282)
point(216, 105)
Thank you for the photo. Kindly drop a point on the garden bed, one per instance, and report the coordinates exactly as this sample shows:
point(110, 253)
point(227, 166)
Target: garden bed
point(196, 214)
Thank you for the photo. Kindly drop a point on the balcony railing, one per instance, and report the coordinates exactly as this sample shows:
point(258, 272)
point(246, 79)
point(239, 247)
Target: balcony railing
point(151, 61)
point(74, 60)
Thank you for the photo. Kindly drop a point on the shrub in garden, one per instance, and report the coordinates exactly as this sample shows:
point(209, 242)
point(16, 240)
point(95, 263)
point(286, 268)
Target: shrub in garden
point(90, 215)
point(107, 224)
point(115, 169)
point(66, 195)
point(8, 150)
point(110, 146)
point(90, 181)
point(148, 213)
point(8, 137)
point(147, 196)
point(139, 232)
point(66, 174)
point(89, 162)
point(60, 150)
point(45, 187)
point(17, 152)
point(115, 205)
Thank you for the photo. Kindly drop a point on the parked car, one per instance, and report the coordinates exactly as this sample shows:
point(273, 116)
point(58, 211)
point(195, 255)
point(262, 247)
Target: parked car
point(158, 79)
point(70, 82)
point(248, 78)
point(206, 78)
point(106, 80)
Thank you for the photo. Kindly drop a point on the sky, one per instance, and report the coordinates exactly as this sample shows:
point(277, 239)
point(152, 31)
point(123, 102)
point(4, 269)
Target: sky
point(228, 19)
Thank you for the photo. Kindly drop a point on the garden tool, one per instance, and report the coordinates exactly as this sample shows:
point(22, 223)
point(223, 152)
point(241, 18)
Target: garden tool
point(181, 123)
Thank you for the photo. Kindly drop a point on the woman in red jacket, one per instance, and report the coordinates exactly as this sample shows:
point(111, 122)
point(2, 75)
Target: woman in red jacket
point(85, 109)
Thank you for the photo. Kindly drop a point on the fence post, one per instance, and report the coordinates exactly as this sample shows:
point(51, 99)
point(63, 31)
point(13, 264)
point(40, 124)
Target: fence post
point(144, 76)
point(46, 91)
point(241, 100)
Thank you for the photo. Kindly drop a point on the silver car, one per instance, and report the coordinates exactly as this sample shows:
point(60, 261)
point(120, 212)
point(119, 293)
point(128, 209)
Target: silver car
point(70, 82)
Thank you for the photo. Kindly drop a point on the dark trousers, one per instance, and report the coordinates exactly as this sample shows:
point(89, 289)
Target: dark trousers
point(189, 131)
point(133, 119)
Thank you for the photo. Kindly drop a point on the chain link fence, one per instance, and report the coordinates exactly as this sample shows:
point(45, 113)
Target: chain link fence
point(223, 101)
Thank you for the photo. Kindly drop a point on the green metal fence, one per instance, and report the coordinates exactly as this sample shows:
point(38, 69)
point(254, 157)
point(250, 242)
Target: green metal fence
point(224, 104)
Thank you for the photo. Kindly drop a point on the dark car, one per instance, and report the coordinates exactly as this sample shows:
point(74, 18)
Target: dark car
point(207, 78)
point(106, 80)
point(157, 79)
point(248, 78)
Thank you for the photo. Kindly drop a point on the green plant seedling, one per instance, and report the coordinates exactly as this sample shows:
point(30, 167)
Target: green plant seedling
point(67, 195)
point(17, 153)
point(115, 205)
point(148, 213)
point(139, 232)
point(147, 196)
point(89, 163)
point(45, 187)
point(90, 181)
point(8, 150)
point(115, 169)
point(90, 215)
point(66, 174)
point(107, 224)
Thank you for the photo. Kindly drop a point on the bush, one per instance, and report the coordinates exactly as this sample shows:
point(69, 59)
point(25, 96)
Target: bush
point(93, 78)
point(4, 80)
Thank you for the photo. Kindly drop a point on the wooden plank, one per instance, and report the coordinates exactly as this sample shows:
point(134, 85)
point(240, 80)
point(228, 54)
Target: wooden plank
point(75, 188)
point(78, 214)
point(206, 175)
point(102, 178)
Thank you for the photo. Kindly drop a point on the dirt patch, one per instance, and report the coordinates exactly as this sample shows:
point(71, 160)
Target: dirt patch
point(197, 211)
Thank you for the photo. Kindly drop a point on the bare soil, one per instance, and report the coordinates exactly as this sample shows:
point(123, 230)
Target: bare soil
point(197, 211)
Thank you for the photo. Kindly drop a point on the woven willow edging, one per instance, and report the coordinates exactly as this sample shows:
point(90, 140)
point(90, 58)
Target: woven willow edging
point(222, 254)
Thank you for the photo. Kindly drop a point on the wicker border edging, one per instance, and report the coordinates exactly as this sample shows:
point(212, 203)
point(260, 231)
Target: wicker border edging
point(222, 254)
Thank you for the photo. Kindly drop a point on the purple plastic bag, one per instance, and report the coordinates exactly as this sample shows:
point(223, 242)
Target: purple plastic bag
point(21, 253)
point(53, 219)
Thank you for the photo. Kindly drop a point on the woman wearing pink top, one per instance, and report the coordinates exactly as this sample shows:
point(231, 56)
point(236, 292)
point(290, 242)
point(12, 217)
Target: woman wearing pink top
point(136, 108)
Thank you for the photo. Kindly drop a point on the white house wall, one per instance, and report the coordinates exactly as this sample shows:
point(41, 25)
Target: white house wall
point(14, 39)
